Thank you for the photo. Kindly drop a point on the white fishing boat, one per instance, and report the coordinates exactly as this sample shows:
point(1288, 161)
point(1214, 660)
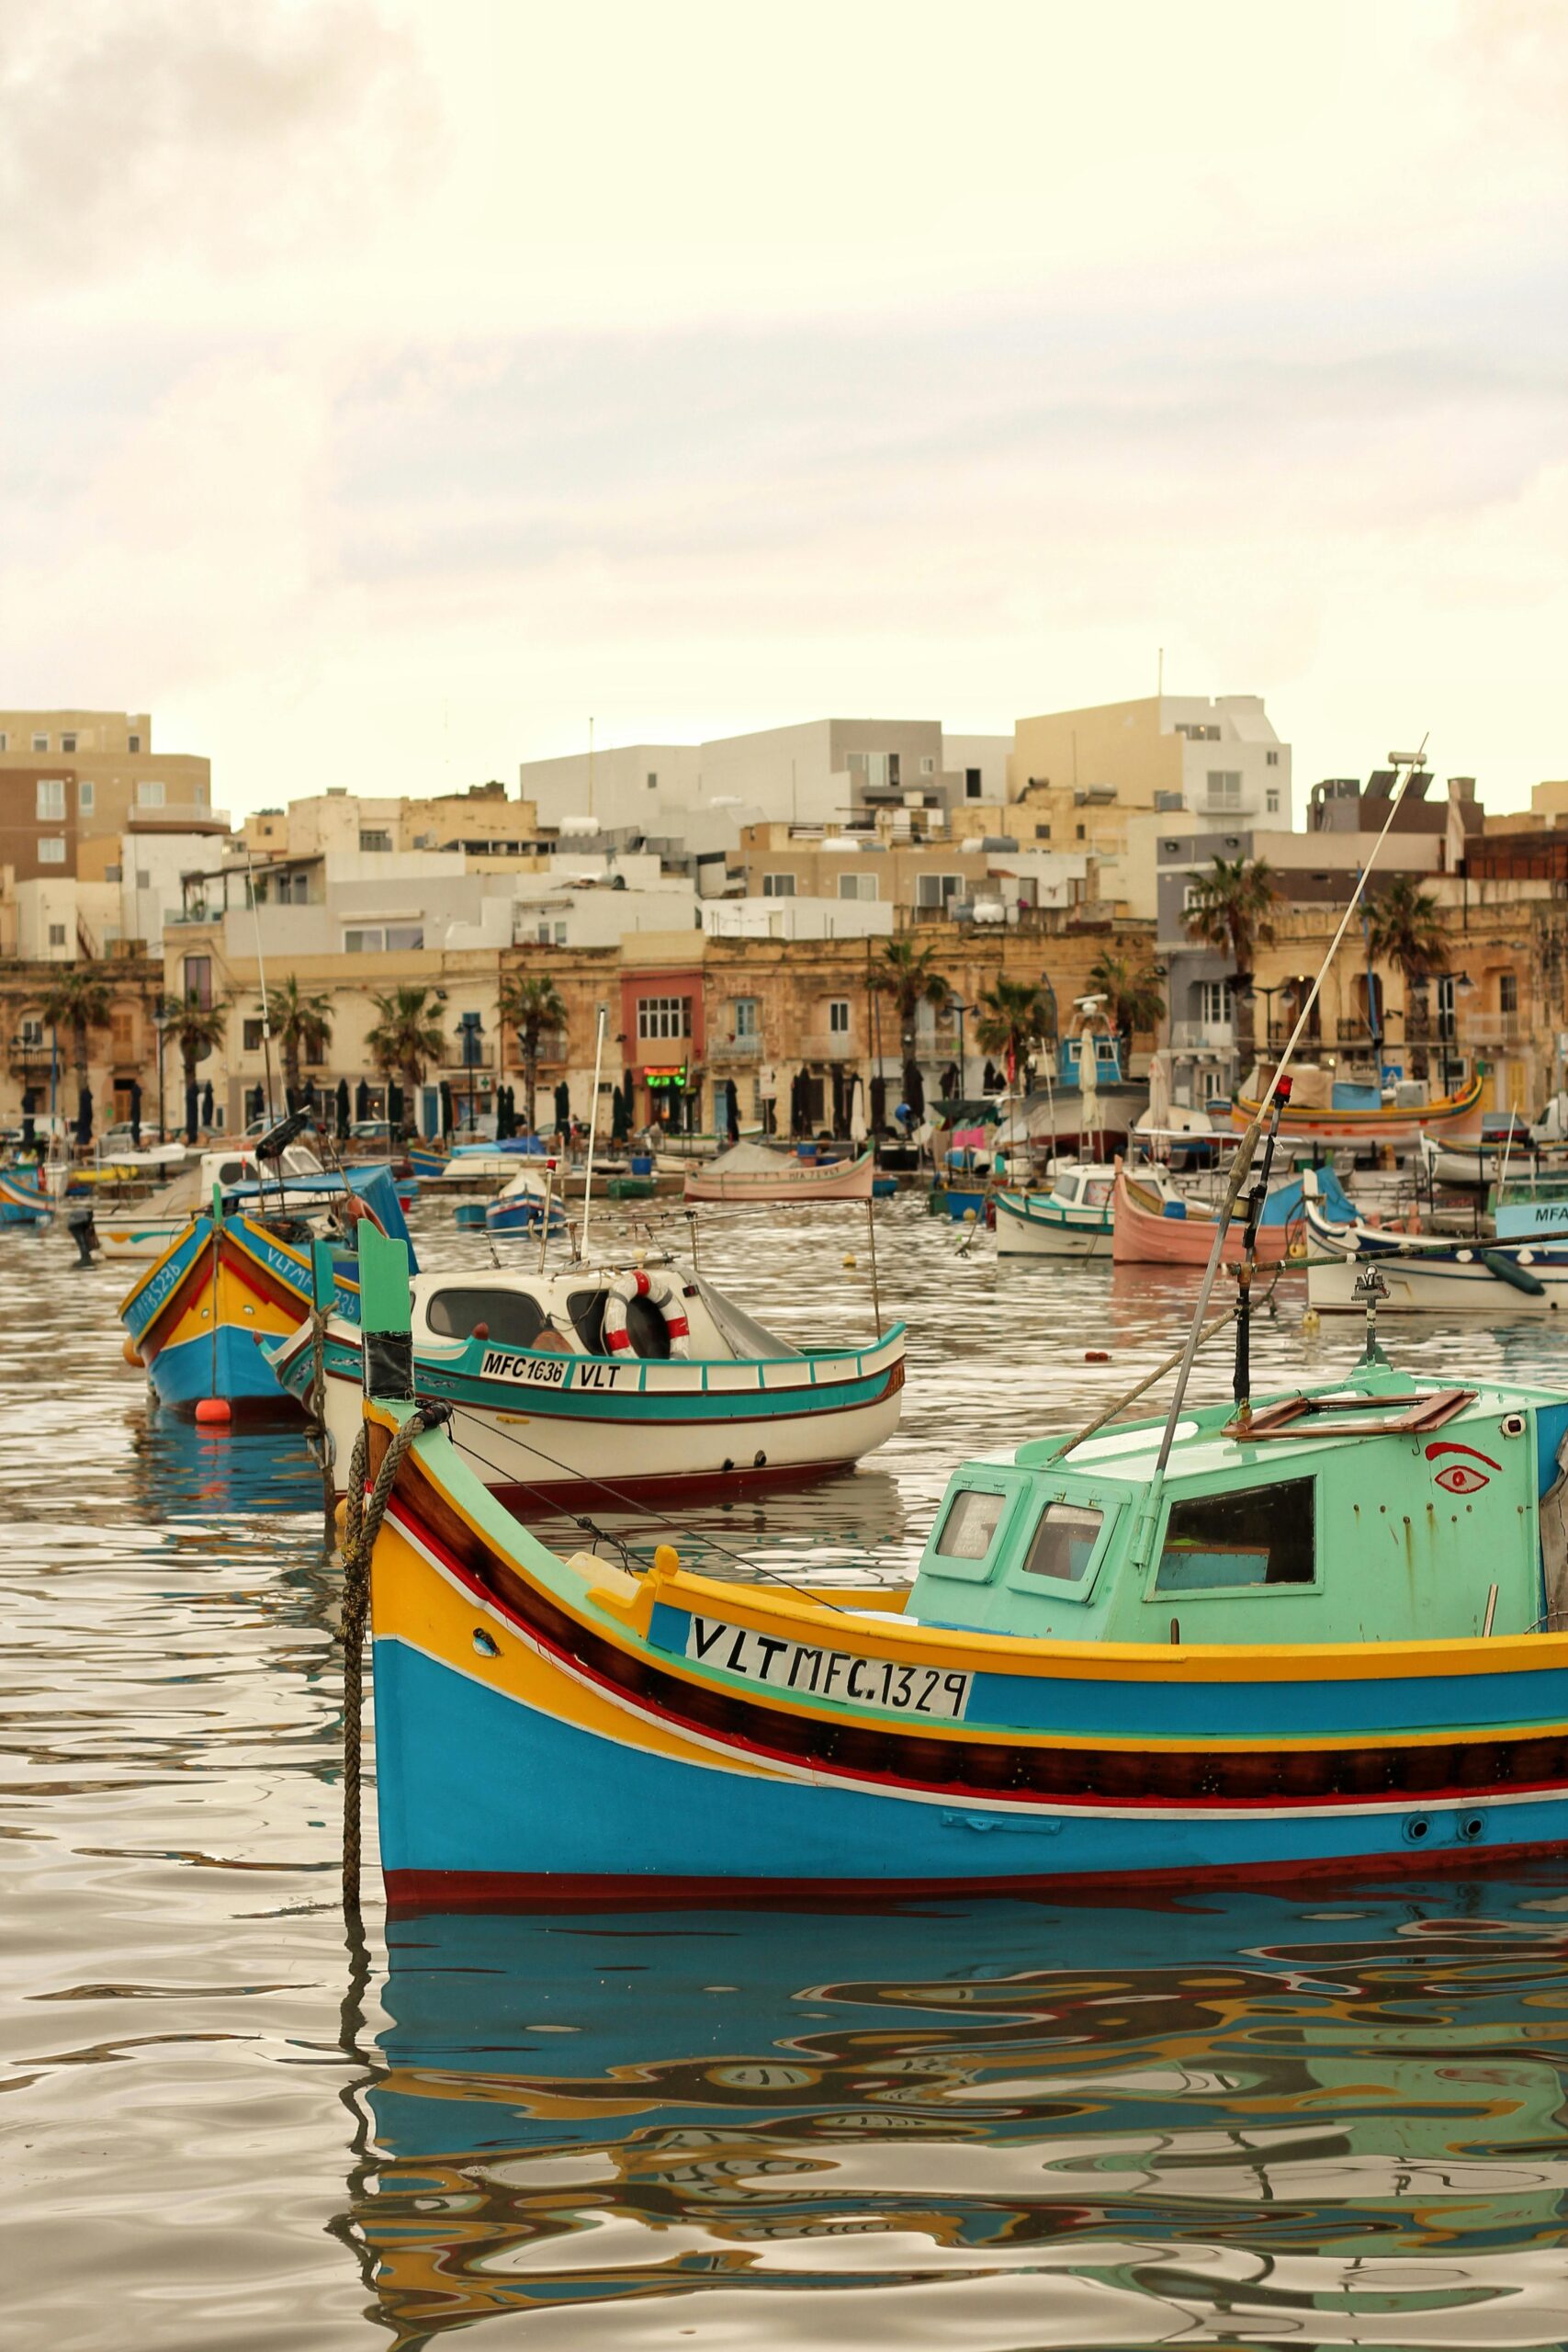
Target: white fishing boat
point(750, 1172)
point(1433, 1274)
point(1074, 1219)
point(148, 1227)
point(585, 1384)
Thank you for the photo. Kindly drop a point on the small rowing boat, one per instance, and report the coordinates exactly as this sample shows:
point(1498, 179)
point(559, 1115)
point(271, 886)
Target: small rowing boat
point(750, 1172)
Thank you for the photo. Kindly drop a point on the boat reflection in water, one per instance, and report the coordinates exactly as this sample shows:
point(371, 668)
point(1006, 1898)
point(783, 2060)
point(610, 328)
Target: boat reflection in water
point(180, 1470)
point(1333, 2120)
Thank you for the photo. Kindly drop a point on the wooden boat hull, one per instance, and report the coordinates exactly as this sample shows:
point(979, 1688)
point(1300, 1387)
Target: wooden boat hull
point(1034, 1225)
point(668, 1736)
point(1453, 1118)
point(1141, 1236)
point(262, 1291)
point(21, 1203)
point(563, 1430)
point(1436, 1277)
point(797, 1183)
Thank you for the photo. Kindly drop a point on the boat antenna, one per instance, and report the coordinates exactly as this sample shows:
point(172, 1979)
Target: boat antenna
point(1405, 764)
point(592, 1131)
point(544, 1219)
point(1242, 1383)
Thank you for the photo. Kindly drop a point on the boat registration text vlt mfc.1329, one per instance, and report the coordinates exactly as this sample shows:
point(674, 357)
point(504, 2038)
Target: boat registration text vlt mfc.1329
point(828, 1674)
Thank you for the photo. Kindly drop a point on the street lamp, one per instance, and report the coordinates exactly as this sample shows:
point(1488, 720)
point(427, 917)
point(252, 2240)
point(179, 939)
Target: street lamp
point(955, 1006)
point(162, 1020)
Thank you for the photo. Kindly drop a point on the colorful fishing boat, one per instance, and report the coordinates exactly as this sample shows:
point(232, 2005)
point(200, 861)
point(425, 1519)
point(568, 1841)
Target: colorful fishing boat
point(1148, 1229)
point(753, 1172)
point(1311, 1634)
point(24, 1199)
point(1325, 1109)
point(235, 1277)
point(526, 1205)
point(598, 1383)
point(1436, 1274)
point(427, 1160)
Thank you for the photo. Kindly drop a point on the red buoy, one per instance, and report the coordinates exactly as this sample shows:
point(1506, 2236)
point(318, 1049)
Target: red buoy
point(213, 1409)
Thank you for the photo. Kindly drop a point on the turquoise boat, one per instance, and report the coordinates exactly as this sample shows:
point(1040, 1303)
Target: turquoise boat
point(1308, 1635)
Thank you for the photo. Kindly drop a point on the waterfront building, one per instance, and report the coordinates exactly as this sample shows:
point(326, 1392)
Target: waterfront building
point(1081, 779)
point(816, 771)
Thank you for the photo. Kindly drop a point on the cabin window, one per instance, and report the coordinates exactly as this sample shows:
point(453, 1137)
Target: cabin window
point(512, 1318)
point(1064, 1542)
point(234, 1171)
point(970, 1526)
point(1218, 1543)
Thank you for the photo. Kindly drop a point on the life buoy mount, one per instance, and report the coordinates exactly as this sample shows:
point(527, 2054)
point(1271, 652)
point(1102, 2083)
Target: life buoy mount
point(659, 1291)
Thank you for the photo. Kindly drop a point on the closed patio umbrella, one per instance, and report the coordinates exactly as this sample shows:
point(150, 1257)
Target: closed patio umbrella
point(362, 1100)
point(620, 1114)
point(135, 1093)
point(878, 1104)
point(84, 1119)
point(563, 1105)
point(207, 1106)
point(840, 1109)
point(857, 1113)
point(193, 1111)
point(342, 1108)
point(913, 1089)
point(448, 1120)
point(395, 1109)
point(29, 1107)
point(732, 1111)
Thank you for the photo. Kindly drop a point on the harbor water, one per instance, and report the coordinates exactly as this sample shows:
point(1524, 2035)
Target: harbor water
point(1336, 2115)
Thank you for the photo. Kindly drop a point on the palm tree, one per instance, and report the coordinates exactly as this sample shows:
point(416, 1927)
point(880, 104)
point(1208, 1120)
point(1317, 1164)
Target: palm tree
point(908, 975)
point(1017, 1017)
point(1232, 909)
point(196, 1029)
point(531, 1006)
point(302, 1024)
point(79, 1000)
point(408, 1034)
point(1404, 927)
point(1133, 999)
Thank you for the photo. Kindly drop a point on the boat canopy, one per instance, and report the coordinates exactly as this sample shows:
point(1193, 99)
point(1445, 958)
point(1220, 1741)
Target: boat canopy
point(1286, 1205)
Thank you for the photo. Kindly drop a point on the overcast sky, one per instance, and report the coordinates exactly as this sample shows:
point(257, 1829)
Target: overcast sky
point(391, 384)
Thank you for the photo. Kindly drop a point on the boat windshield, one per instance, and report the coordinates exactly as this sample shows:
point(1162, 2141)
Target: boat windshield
point(742, 1333)
point(512, 1318)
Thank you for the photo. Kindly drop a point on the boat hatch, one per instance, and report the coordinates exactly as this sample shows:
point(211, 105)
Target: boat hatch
point(1408, 1415)
point(1258, 1535)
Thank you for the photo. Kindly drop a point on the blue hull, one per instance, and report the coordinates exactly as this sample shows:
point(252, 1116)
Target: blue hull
point(182, 1374)
point(558, 1809)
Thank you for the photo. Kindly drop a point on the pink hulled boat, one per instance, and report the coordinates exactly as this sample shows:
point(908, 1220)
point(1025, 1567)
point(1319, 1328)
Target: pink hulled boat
point(1147, 1231)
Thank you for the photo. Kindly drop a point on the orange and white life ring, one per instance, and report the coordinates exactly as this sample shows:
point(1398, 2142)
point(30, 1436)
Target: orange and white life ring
point(660, 1292)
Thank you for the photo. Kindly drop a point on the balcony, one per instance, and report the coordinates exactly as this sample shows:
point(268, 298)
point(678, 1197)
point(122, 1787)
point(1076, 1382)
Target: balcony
point(482, 1052)
point(550, 1051)
point(28, 1058)
point(829, 1046)
point(731, 1052)
point(1202, 1037)
point(1508, 1031)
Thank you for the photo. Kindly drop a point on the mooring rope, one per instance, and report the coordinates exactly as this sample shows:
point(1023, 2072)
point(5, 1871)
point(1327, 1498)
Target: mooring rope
point(362, 1525)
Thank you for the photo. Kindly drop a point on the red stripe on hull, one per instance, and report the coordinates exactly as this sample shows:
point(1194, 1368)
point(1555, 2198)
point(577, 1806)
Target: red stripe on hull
point(415, 1891)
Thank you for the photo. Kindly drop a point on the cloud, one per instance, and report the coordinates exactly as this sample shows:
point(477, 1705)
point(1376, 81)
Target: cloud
point(143, 131)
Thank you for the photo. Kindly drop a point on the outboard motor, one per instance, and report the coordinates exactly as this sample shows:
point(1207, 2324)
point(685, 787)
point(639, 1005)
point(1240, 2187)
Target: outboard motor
point(83, 1232)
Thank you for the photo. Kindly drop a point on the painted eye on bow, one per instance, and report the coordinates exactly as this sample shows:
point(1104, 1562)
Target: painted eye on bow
point(1460, 1479)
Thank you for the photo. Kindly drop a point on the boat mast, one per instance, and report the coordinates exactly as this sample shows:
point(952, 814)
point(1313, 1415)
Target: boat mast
point(593, 1134)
